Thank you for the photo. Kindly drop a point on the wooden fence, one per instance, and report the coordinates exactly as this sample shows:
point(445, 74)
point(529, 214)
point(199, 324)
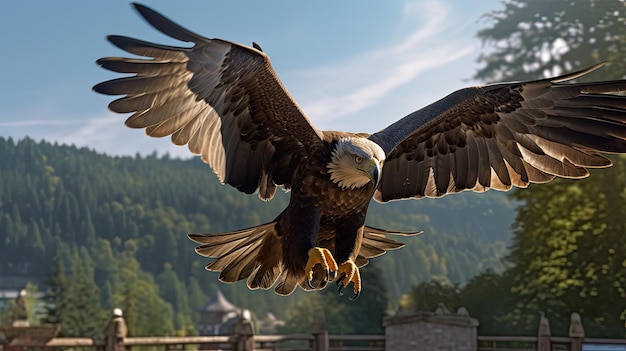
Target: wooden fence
point(545, 341)
point(23, 338)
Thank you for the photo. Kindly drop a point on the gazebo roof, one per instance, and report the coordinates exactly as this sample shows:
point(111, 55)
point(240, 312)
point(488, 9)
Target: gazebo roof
point(218, 304)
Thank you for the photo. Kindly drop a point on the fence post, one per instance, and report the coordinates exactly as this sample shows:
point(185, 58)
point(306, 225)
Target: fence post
point(244, 331)
point(320, 332)
point(543, 336)
point(115, 332)
point(576, 332)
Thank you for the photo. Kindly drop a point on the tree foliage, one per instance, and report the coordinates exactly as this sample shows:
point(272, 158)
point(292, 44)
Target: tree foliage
point(486, 297)
point(363, 315)
point(69, 213)
point(568, 251)
point(534, 39)
point(145, 311)
point(73, 298)
point(568, 245)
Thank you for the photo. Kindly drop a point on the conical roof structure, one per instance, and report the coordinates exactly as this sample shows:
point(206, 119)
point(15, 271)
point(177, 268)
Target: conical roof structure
point(218, 303)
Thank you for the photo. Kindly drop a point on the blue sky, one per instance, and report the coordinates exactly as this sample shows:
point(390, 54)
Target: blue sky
point(351, 65)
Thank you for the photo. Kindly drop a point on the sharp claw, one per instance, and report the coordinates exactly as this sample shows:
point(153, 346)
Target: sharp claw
point(349, 273)
point(340, 284)
point(356, 296)
point(341, 278)
point(324, 258)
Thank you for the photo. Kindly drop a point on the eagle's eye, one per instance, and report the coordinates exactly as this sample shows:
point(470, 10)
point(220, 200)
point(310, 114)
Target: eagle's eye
point(358, 159)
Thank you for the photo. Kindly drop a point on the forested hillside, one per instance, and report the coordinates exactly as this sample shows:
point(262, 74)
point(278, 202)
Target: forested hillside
point(101, 216)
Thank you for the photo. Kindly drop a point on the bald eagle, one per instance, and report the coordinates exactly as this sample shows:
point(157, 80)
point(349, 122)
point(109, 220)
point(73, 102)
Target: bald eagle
point(225, 101)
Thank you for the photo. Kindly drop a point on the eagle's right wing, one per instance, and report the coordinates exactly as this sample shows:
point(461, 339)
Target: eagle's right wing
point(222, 99)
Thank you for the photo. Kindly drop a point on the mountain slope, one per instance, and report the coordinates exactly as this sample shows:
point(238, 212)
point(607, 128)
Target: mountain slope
point(55, 196)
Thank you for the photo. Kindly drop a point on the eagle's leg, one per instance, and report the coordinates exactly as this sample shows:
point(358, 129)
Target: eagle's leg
point(323, 257)
point(349, 272)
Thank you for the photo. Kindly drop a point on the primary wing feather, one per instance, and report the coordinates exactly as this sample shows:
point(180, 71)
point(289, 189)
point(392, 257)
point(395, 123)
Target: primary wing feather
point(221, 99)
point(503, 135)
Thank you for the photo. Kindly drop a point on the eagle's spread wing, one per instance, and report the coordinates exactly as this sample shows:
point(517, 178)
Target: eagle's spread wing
point(222, 99)
point(503, 135)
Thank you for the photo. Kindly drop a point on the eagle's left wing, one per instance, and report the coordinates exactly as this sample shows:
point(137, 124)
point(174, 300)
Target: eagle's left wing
point(503, 135)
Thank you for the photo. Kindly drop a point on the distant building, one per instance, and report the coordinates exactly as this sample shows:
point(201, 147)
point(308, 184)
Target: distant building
point(218, 316)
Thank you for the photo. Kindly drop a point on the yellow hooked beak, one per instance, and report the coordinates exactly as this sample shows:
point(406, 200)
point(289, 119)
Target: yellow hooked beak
point(372, 169)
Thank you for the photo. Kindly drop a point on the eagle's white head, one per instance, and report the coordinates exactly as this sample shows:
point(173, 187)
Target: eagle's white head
point(355, 162)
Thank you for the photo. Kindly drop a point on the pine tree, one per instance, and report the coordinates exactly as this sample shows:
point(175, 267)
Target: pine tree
point(172, 290)
point(57, 283)
point(82, 315)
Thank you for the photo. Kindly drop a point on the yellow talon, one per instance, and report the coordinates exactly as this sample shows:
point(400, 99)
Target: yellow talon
point(349, 272)
point(324, 258)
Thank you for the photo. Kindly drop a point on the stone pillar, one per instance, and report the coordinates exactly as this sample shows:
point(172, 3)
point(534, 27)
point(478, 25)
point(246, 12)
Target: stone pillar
point(425, 331)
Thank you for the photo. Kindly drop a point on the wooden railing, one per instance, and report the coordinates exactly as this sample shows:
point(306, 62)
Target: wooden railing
point(292, 342)
point(532, 343)
point(23, 338)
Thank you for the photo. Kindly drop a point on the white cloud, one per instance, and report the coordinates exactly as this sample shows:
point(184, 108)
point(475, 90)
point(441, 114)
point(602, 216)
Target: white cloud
point(104, 132)
point(107, 133)
point(93, 130)
point(35, 123)
point(366, 79)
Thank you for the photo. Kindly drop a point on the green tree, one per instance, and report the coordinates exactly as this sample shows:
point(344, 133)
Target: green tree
point(57, 283)
point(427, 296)
point(487, 298)
point(73, 300)
point(197, 297)
point(361, 316)
point(82, 315)
point(301, 316)
point(33, 304)
point(367, 312)
point(145, 312)
point(567, 252)
point(540, 38)
point(138, 208)
point(171, 289)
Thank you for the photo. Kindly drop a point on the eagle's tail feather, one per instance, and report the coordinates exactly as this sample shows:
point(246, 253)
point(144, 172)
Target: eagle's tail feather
point(254, 253)
point(288, 283)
